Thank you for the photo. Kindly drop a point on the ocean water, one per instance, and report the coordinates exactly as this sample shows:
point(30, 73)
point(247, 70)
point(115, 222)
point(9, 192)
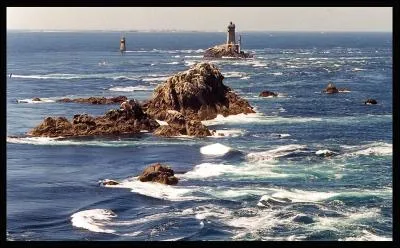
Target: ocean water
point(265, 179)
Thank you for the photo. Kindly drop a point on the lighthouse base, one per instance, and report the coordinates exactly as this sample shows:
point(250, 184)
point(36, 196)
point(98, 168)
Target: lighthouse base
point(224, 50)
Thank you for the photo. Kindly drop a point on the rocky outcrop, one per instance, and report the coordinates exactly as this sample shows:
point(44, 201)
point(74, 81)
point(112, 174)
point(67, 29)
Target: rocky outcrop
point(114, 122)
point(198, 94)
point(96, 100)
point(370, 101)
point(179, 125)
point(159, 173)
point(267, 93)
point(36, 99)
point(224, 50)
point(331, 89)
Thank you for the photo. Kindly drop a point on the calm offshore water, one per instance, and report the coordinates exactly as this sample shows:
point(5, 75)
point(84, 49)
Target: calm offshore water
point(52, 185)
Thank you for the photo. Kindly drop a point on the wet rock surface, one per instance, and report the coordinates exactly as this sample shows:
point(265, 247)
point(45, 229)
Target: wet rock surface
point(96, 100)
point(267, 93)
point(159, 173)
point(114, 122)
point(198, 94)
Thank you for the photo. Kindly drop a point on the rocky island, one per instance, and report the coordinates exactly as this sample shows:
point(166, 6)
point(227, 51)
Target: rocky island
point(231, 49)
point(183, 101)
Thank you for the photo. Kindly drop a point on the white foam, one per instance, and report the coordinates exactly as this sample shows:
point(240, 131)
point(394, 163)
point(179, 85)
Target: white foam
point(245, 78)
point(257, 118)
point(376, 148)
point(281, 135)
point(215, 149)
point(259, 64)
point(190, 62)
point(297, 195)
point(221, 133)
point(42, 100)
point(132, 88)
point(253, 170)
point(193, 56)
point(358, 69)
point(157, 190)
point(233, 74)
point(276, 73)
point(275, 153)
point(172, 63)
point(93, 219)
point(123, 78)
point(367, 236)
point(324, 152)
point(207, 170)
point(155, 79)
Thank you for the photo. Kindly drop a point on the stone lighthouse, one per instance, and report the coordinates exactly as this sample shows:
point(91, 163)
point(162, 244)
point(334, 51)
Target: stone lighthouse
point(230, 39)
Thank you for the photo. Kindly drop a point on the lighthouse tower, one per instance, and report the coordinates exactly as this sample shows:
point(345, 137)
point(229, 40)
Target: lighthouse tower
point(230, 39)
point(122, 46)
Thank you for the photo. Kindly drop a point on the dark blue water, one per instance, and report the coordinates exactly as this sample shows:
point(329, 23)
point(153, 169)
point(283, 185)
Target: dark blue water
point(271, 185)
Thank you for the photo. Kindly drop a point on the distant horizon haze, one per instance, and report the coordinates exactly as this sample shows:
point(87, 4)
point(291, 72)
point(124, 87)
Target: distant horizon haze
point(200, 19)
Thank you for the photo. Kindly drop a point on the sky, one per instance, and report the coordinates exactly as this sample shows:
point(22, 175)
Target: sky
point(322, 19)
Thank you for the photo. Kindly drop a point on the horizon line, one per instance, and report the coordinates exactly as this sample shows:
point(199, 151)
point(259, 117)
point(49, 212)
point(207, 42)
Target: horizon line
point(193, 31)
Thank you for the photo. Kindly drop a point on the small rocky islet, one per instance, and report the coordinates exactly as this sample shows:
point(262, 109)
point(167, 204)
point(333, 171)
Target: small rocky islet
point(183, 101)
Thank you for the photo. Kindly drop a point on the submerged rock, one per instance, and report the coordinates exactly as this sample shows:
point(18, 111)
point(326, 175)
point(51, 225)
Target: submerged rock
point(370, 101)
point(96, 100)
point(108, 182)
point(267, 93)
point(36, 99)
point(331, 89)
point(303, 219)
point(159, 173)
point(198, 94)
point(114, 122)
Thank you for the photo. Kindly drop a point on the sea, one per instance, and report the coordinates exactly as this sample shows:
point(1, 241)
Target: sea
point(263, 177)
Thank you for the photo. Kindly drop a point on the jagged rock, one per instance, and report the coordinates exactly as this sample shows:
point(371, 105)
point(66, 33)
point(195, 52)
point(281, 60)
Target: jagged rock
point(114, 122)
point(36, 99)
point(108, 182)
point(267, 93)
point(331, 89)
point(159, 173)
point(166, 131)
point(179, 125)
point(224, 50)
point(96, 100)
point(370, 101)
point(198, 94)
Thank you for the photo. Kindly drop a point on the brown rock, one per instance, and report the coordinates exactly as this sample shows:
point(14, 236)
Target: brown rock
point(114, 122)
point(197, 93)
point(159, 173)
point(267, 93)
point(96, 100)
point(370, 101)
point(36, 99)
point(224, 50)
point(331, 89)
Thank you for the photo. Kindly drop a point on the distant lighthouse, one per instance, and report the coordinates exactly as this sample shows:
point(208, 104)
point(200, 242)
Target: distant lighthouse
point(122, 46)
point(230, 39)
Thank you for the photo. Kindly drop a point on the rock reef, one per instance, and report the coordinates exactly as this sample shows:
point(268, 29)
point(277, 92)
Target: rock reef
point(224, 50)
point(96, 100)
point(267, 93)
point(183, 101)
point(114, 122)
point(159, 173)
